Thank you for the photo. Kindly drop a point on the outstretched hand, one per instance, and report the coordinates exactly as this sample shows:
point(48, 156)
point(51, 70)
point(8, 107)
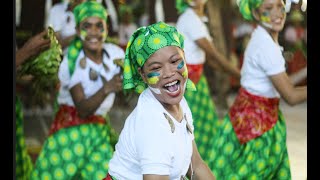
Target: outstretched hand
point(33, 46)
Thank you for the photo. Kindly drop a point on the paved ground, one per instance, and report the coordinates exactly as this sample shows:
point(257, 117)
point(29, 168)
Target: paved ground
point(37, 122)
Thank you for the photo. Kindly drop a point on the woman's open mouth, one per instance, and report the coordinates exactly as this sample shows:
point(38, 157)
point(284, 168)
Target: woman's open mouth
point(172, 88)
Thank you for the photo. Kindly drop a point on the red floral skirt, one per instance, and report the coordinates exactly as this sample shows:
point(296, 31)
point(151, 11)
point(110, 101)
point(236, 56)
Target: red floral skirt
point(194, 72)
point(252, 115)
point(68, 116)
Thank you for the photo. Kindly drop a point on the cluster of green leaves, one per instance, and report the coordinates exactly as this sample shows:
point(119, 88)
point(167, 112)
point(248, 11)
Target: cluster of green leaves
point(44, 68)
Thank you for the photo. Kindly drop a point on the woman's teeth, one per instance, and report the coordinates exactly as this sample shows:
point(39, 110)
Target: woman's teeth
point(170, 84)
point(172, 87)
point(93, 40)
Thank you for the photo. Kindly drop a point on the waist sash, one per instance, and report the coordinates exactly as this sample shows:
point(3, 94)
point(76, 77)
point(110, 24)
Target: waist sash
point(68, 116)
point(194, 72)
point(252, 115)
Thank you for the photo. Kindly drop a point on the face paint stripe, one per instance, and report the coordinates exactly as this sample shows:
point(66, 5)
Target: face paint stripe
point(153, 74)
point(180, 65)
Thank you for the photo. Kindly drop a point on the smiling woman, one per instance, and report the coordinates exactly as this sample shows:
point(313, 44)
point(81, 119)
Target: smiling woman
point(250, 142)
point(81, 140)
point(157, 140)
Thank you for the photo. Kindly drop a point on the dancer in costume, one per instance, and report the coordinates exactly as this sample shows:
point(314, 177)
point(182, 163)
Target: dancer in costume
point(198, 44)
point(157, 140)
point(63, 22)
point(251, 140)
point(32, 47)
point(79, 145)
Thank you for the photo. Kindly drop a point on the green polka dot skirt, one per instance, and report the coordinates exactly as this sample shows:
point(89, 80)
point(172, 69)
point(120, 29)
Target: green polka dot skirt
point(78, 152)
point(23, 161)
point(204, 116)
point(265, 157)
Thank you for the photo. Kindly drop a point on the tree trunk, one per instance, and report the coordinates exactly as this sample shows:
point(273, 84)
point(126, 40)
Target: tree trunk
point(217, 79)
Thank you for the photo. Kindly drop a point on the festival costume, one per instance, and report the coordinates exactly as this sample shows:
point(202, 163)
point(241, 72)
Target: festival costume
point(152, 141)
point(80, 148)
point(250, 141)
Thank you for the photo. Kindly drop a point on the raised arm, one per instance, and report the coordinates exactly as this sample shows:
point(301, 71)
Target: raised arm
point(33, 46)
point(292, 95)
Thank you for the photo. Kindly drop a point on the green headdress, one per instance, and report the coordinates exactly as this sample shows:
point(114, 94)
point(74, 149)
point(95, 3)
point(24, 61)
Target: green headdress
point(182, 5)
point(81, 12)
point(246, 7)
point(142, 44)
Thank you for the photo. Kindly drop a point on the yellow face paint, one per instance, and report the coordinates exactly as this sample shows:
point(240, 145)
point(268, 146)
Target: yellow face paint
point(153, 78)
point(83, 34)
point(265, 17)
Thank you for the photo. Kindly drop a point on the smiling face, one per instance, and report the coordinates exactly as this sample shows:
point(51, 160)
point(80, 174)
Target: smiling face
point(271, 14)
point(166, 73)
point(93, 33)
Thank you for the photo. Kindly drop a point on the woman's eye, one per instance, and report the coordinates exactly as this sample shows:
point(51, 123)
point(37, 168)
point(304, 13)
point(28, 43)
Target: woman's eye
point(85, 26)
point(155, 68)
point(100, 25)
point(175, 61)
point(268, 8)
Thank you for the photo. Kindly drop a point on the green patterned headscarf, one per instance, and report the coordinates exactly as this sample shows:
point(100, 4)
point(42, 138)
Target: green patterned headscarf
point(142, 44)
point(246, 7)
point(89, 9)
point(182, 5)
point(81, 12)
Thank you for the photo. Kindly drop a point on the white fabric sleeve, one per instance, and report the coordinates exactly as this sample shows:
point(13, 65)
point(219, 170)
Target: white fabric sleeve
point(117, 52)
point(77, 76)
point(153, 145)
point(271, 60)
point(194, 28)
point(55, 19)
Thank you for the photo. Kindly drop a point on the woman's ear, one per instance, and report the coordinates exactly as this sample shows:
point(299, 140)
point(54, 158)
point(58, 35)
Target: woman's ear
point(142, 74)
point(255, 14)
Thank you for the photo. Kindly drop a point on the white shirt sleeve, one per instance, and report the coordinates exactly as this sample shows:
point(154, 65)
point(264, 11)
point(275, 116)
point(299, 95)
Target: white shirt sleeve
point(153, 146)
point(271, 60)
point(77, 76)
point(194, 28)
point(55, 18)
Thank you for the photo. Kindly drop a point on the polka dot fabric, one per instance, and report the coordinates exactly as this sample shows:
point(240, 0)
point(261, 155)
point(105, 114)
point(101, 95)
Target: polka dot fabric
point(78, 152)
point(265, 157)
point(24, 164)
point(204, 117)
